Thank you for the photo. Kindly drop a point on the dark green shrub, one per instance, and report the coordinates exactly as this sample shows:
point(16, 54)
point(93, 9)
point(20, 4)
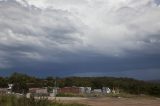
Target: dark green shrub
point(10, 100)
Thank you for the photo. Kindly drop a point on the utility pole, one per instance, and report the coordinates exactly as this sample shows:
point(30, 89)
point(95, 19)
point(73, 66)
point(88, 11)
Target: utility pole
point(55, 87)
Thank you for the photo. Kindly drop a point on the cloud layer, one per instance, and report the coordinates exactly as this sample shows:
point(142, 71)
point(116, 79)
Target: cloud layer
point(83, 32)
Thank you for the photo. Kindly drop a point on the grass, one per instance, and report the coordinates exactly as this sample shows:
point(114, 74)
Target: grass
point(10, 100)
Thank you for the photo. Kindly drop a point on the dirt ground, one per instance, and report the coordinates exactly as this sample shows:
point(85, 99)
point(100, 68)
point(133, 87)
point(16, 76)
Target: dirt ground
point(108, 101)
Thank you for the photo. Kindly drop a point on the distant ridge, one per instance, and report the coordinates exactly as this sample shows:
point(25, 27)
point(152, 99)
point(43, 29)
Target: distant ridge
point(155, 81)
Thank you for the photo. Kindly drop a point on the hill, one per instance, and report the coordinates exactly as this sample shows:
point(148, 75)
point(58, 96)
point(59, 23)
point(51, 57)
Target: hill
point(128, 85)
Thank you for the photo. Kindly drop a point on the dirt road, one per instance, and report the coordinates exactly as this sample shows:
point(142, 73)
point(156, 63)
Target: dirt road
point(113, 101)
point(122, 102)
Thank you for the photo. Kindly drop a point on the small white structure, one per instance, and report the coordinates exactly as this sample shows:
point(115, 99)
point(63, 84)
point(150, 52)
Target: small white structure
point(54, 92)
point(10, 86)
point(88, 89)
point(85, 90)
point(82, 90)
point(28, 95)
point(106, 90)
point(97, 90)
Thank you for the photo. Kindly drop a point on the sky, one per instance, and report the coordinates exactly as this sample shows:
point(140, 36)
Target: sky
point(119, 38)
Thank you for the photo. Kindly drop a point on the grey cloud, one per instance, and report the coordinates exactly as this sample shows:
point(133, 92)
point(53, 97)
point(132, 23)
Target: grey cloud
point(157, 1)
point(128, 24)
point(89, 35)
point(30, 32)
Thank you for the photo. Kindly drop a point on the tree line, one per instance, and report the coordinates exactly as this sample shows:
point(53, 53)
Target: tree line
point(23, 82)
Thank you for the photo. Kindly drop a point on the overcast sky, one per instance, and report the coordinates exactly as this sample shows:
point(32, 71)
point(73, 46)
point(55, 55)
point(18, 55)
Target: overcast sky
point(118, 38)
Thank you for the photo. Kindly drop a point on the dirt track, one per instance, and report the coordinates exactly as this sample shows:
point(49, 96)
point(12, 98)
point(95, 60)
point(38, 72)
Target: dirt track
point(114, 101)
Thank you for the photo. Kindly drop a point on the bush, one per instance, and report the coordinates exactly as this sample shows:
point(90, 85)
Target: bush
point(10, 100)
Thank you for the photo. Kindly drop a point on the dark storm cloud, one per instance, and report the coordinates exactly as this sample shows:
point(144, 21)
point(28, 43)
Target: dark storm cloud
point(141, 67)
point(73, 37)
point(157, 1)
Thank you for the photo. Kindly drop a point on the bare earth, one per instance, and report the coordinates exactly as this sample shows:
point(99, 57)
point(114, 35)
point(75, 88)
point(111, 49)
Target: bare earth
point(112, 101)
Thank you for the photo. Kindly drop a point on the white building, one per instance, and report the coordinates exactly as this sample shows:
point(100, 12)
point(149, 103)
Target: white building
point(10, 86)
point(54, 92)
point(84, 90)
point(106, 90)
point(97, 90)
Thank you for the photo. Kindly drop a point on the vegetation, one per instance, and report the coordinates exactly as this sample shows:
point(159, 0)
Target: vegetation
point(9, 100)
point(22, 82)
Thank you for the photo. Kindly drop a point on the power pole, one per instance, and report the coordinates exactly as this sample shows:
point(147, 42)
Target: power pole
point(55, 87)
